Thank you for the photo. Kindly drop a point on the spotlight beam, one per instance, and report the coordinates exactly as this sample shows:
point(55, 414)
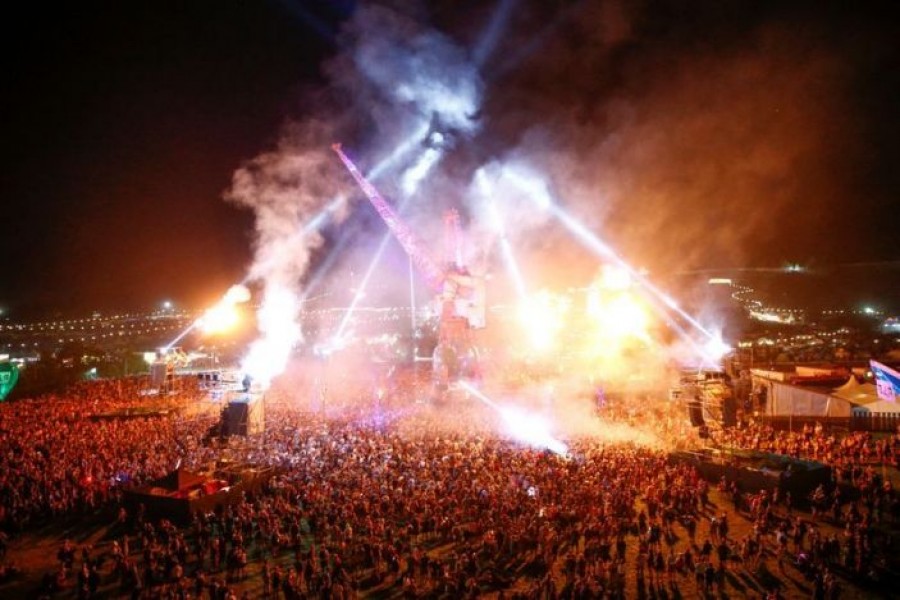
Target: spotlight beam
point(400, 152)
point(522, 426)
point(385, 165)
point(360, 292)
point(319, 274)
point(429, 157)
point(660, 300)
point(413, 176)
point(512, 266)
point(180, 336)
point(492, 32)
point(311, 21)
point(477, 393)
point(509, 258)
point(536, 42)
point(314, 224)
point(376, 258)
point(594, 243)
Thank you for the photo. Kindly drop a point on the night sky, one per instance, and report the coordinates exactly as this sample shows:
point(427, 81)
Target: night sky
point(722, 133)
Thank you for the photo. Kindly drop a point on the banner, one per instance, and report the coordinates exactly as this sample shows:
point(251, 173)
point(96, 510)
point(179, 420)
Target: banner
point(887, 381)
point(9, 375)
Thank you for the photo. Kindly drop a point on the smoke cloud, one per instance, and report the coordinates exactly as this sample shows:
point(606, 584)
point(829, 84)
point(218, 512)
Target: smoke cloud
point(685, 137)
point(286, 188)
point(404, 79)
point(414, 68)
point(684, 147)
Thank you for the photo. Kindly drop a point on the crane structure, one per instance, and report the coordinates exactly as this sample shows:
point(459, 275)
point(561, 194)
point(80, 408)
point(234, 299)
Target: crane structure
point(461, 296)
point(452, 239)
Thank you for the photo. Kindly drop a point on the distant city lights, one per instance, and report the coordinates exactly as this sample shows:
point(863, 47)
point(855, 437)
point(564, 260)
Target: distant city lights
point(771, 317)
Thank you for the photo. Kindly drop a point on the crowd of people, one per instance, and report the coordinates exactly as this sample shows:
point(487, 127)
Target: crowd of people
point(861, 502)
point(58, 458)
point(386, 497)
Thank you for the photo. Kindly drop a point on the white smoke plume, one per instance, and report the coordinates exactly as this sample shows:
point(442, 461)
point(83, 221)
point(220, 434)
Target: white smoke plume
point(286, 188)
point(416, 68)
point(678, 151)
point(401, 79)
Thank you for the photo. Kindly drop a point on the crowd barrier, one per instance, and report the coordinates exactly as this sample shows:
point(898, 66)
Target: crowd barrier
point(884, 422)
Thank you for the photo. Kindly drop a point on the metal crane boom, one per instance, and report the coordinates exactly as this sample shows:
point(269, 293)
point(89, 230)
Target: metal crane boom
point(434, 275)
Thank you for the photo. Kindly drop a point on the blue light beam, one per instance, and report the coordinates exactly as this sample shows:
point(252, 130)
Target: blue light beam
point(492, 33)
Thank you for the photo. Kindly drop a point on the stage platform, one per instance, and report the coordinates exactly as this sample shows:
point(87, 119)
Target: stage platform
point(181, 493)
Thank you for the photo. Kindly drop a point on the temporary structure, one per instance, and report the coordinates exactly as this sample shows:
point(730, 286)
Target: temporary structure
point(856, 392)
point(792, 400)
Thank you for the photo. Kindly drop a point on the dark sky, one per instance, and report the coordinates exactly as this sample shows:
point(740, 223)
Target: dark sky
point(124, 122)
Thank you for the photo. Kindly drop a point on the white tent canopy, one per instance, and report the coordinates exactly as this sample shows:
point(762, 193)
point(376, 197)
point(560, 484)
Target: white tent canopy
point(857, 393)
point(852, 398)
point(785, 400)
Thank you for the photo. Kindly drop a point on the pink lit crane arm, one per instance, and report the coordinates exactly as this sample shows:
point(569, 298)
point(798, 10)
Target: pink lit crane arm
point(412, 245)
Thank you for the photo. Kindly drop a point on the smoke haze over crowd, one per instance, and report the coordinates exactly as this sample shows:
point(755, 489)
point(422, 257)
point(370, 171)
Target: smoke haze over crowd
point(686, 135)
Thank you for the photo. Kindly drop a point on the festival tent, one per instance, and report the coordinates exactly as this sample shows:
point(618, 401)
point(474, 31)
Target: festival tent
point(787, 400)
point(856, 392)
point(802, 375)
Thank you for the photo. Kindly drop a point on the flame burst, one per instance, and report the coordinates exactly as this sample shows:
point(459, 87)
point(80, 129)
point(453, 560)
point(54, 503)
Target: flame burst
point(543, 317)
point(224, 316)
point(617, 315)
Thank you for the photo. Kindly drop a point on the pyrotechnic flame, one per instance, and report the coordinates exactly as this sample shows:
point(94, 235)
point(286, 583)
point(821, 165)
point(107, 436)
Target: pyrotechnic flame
point(237, 294)
point(224, 316)
point(277, 322)
point(221, 318)
point(542, 316)
point(615, 278)
point(617, 315)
